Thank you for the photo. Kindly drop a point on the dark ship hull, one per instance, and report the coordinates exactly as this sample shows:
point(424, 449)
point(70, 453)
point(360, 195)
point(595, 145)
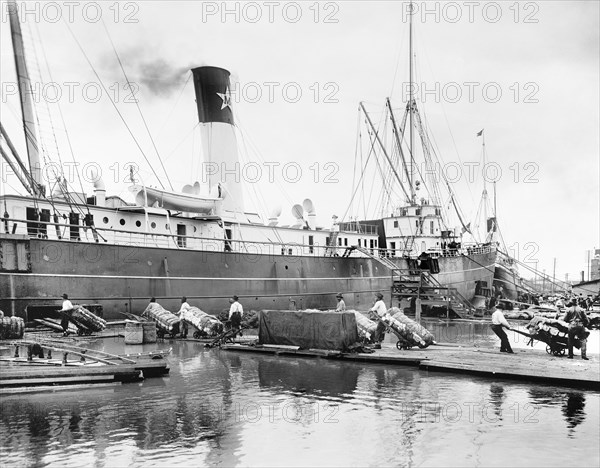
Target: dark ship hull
point(35, 272)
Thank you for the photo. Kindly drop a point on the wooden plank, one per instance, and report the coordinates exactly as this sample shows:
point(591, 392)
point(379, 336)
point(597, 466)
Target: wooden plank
point(56, 388)
point(57, 380)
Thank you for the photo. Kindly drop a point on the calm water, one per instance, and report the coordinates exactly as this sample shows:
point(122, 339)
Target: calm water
point(222, 408)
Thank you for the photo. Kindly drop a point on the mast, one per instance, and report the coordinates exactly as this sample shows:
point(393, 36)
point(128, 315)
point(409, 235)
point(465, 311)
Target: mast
point(389, 104)
point(383, 149)
point(26, 100)
point(410, 101)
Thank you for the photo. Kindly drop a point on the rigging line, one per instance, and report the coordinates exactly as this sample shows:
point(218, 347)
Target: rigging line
point(64, 127)
point(167, 118)
point(258, 196)
point(533, 270)
point(112, 102)
point(261, 159)
point(363, 173)
point(183, 140)
point(357, 146)
point(448, 125)
point(137, 104)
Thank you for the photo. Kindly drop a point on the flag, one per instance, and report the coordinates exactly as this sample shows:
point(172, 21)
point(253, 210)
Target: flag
point(480, 133)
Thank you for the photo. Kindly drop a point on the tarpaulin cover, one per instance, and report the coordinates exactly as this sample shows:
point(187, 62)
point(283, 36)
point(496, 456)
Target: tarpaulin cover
point(307, 329)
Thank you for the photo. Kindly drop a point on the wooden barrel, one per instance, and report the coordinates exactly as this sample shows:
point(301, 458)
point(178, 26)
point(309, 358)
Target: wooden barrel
point(134, 332)
point(149, 331)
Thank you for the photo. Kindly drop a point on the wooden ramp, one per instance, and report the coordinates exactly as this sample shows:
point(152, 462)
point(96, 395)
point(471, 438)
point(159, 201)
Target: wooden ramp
point(524, 365)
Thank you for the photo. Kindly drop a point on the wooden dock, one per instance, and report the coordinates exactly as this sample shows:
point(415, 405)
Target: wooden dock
point(524, 365)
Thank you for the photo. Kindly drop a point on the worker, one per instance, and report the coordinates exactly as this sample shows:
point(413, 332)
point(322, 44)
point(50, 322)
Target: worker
point(184, 326)
point(379, 308)
point(498, 323)
point(341, 305)
point(67, 306)
point(577, 320)
point(235, 313)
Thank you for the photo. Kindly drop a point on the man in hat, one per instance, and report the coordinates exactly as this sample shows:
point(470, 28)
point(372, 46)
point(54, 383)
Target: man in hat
point(184, 326)
point(380, 309)
point(235, 313)
point(577, 320)
point(66, 306)
point(341, 305)
point(498, 323)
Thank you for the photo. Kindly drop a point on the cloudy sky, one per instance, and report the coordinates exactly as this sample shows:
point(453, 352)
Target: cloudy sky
point(526, 72)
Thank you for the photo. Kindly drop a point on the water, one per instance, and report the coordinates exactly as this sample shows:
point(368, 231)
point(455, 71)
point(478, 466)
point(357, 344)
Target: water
point(220, 408)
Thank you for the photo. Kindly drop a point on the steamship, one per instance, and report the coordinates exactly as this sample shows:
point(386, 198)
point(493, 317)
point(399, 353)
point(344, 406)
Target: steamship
point(200, 242)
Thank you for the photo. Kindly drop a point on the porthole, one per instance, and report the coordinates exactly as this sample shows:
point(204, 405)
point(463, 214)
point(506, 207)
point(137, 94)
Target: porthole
point(122, 222)
point(195, 228)
point(167, 227)
point(153, 225)
point(105, 220)
point(138, 223)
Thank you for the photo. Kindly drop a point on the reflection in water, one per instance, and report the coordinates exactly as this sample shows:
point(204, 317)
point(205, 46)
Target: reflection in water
point(496, 399)
point(328, 378)
point(208, 412)
point(573, 408)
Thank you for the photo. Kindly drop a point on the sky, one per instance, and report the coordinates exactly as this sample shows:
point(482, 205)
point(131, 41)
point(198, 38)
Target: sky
point(526, 72)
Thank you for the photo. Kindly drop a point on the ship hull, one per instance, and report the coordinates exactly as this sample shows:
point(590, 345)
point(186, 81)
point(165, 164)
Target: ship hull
point(123, 278)
point(505, 281)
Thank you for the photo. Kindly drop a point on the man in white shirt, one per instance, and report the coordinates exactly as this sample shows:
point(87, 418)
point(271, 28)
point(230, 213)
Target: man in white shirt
point(498, 323)
point(183, 324)
point(341, 305)
point(235, 313)
point(66, 307)
point(380, 309)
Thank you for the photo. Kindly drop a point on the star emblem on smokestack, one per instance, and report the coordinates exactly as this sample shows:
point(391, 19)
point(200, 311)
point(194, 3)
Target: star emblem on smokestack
point(226, 97)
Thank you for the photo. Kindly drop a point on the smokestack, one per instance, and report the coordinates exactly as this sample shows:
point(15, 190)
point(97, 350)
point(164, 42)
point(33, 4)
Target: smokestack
point(213, 96)
point(221, 167)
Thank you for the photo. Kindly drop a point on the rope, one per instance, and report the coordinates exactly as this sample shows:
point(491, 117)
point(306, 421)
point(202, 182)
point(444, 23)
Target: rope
point(138, 106)
point(112, 102)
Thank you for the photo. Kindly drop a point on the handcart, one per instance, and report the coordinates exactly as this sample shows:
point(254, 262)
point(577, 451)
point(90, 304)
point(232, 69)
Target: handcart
point(552, 332)
point(85, 321)
point(167, 323)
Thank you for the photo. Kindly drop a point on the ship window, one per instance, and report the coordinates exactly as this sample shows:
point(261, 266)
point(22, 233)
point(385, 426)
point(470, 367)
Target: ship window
point(105, 220)
point(122, 222)
point(167, 227)
point(181, 240)
point(393, 248)
point(45, 218)
point(32, 215)
point(311, 241)
point(339, 241)
point(153, 225)
point(138, 223)
point(228, 237)
point(395, 223)
point(195, 228)
point(359, 242)
point(74, 228)
point(345, 242)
